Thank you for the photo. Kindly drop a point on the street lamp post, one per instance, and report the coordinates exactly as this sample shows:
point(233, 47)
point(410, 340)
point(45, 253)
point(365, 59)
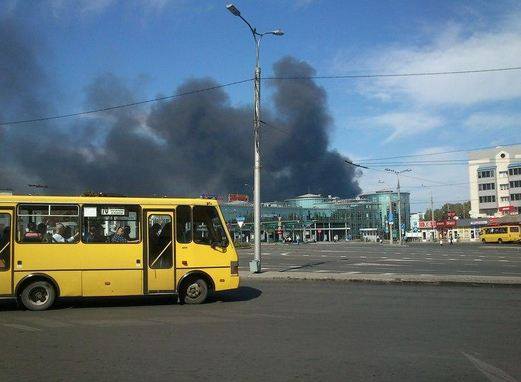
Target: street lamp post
point(255, 264)
point(399, 201)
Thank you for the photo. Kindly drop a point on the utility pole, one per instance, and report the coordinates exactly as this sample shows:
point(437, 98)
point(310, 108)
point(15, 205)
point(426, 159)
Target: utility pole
point(432, 217)
point(255, 264)
point(397, 173)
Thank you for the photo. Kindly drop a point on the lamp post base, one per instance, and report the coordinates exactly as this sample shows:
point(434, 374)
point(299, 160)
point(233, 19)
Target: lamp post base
point(255, 266)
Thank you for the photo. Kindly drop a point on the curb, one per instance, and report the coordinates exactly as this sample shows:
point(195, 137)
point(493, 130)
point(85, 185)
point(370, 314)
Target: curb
point(387, 279)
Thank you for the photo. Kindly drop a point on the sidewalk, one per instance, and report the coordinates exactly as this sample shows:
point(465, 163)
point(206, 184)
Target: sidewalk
point(386, 279)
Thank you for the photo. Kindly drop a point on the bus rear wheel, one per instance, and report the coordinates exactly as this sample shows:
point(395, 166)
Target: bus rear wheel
point(499, 241)
point(194, 291)
point(39, 295)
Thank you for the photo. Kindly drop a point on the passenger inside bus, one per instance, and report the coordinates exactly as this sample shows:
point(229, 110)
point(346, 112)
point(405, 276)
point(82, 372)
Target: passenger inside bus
point(60, 235)
point(32, 235)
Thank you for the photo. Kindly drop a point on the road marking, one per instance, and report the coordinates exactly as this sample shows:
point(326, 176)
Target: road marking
point(363, 257)
point(23, 327)
point(343, 257)
point(492, 373)
point(352, 273)
point(284, 254)
point(452, 259)
point(478, 260)
point(377, 265)
point(323, 256)
point(504, 261)
point(383, 257)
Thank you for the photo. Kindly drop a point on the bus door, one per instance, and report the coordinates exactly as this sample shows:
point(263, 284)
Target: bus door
point(6, 252)
point(159, 254)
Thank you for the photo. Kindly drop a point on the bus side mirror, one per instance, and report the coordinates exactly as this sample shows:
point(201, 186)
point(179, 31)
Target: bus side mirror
point(222, 244)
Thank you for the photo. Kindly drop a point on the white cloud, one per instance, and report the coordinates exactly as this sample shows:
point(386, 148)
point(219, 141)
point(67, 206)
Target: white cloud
point(493, 121)
point(455, 49)
point(405, 124)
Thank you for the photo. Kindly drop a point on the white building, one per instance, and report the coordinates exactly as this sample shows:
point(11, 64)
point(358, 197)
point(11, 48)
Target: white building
point(495, 181)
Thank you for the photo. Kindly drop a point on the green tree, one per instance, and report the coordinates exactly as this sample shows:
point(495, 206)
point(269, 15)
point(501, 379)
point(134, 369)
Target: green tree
point(462, 211)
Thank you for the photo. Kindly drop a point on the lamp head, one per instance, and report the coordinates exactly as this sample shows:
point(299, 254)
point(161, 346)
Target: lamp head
point(233, 10)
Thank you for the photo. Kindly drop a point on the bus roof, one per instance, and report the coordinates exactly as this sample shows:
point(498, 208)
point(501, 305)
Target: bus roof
point(15, 199)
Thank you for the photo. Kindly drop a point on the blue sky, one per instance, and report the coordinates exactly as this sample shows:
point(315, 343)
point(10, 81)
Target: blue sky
point(158, 44)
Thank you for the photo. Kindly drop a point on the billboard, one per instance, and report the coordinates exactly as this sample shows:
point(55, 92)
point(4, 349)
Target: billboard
point(507, 210)
point(238, 198)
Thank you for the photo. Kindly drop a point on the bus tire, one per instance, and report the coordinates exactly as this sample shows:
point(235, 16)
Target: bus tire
point(499, 241)
point(38, 295)
point(194, 291)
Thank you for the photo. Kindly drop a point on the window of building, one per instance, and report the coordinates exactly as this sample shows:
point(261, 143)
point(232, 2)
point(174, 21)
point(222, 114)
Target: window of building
point(505, 198)
point(5, 241)
point(184, 224)
point(487, 186)
point(515, 183)
point(48, 223)
point(160, 248)
point(487, 199)
point(208, 228)
point(515, 196)
point(503, 186)
point(118, 224)
point(503, 174)
point(514, 171)
point(485, 174)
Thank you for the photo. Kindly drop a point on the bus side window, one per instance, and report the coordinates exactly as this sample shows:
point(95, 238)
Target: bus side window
point(115, 224)
point(184, 224)
point(48, 223)
point(514, 229)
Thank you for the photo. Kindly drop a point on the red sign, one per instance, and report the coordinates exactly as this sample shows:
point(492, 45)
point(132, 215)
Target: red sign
point(492, 221)
point(450, 223)
point(507, 210)
point(446, 224)
point(237, 198)
point(423, 224)
point(451, 214)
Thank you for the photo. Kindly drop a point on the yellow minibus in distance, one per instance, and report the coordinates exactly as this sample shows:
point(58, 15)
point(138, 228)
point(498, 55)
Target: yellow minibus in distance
point(61, 246)
point(500, 234)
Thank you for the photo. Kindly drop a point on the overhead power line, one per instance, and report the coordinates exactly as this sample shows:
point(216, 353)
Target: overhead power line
point(177, 95)
point(380, 75)
point(438, 152)
point(126, 105)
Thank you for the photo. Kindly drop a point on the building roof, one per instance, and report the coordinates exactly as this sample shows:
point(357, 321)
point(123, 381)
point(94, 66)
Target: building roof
point(491, 153)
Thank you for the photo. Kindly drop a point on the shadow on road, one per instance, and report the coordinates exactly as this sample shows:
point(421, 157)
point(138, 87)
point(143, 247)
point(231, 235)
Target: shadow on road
point(243, 293)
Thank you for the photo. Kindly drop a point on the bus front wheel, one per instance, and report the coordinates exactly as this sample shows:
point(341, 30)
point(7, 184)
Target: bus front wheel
point(499, 241)
point(194, 291)
point(38, 295)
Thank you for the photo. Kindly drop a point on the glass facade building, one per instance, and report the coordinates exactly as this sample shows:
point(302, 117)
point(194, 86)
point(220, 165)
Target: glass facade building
point(313, 217)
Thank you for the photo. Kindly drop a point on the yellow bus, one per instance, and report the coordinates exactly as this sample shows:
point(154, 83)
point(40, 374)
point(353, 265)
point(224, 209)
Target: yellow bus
point(500, 234)
point(60, 246)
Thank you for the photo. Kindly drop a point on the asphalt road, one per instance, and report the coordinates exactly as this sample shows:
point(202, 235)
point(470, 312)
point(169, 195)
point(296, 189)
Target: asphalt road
point(273, 331)
point(354, 258)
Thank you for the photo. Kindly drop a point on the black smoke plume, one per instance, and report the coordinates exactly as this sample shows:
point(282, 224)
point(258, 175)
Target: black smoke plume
point(189, 146)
